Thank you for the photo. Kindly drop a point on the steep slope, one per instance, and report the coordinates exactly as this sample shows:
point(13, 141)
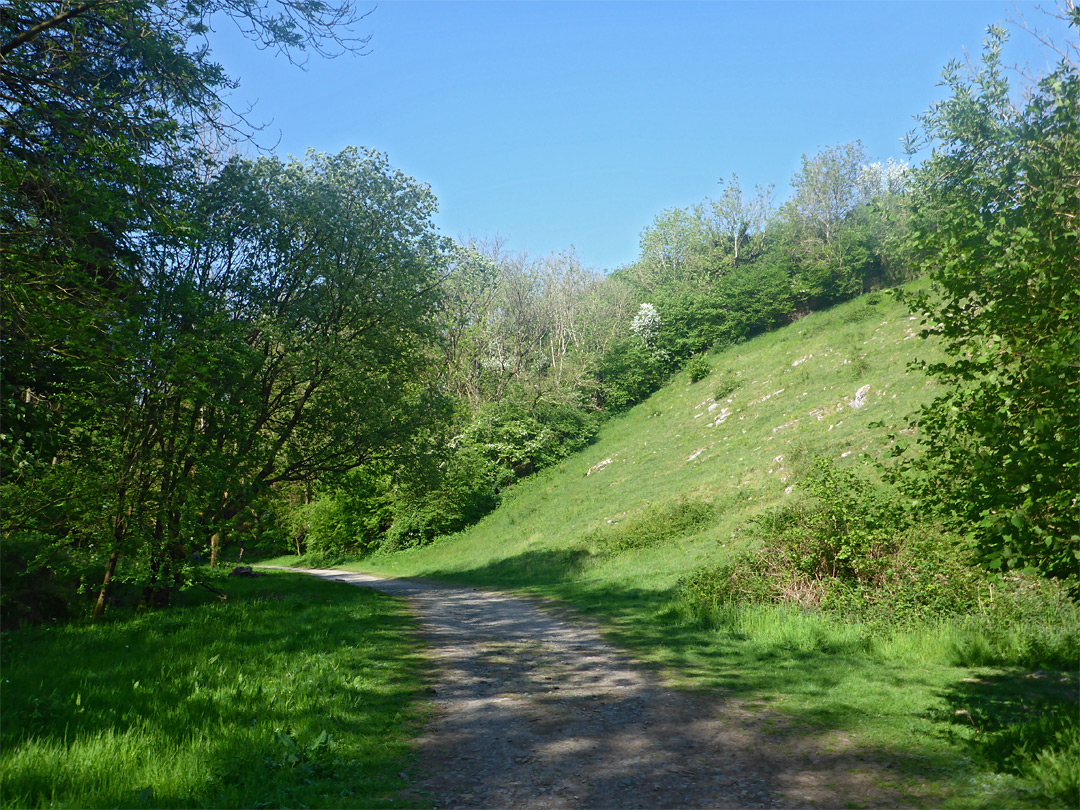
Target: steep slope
point(624, 512)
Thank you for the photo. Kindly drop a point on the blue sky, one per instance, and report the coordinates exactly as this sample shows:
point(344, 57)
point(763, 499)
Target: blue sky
point(559, 124)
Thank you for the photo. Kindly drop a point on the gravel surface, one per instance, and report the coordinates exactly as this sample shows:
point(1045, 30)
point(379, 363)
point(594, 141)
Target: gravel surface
point(536, 711)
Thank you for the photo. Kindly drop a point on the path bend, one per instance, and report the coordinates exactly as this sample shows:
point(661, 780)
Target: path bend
point(536, 711)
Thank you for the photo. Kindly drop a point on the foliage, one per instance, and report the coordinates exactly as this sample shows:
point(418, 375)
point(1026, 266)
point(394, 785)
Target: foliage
point(757, 298)
point(350, 516)
point(851, 549)
point(847, 533)
point(628, 373)
point(655, 524)
point(726, 385)
point(246, 360)
point(698, 368)
point(462, 488)
point(523, 440)
point(121, 368)
point(998, 204)
point(827, 234)
point(646, 324)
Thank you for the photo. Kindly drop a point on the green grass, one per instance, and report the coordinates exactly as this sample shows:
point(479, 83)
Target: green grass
point(293, 692)
point(586, 532)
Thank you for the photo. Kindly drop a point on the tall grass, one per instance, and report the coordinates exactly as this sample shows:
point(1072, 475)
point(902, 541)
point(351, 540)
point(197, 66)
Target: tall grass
point(293, 692)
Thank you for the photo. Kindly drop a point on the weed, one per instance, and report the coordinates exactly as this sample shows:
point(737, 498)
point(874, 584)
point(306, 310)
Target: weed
point(726, 385)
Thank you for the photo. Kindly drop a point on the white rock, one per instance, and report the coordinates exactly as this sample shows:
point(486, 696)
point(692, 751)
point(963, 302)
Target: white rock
point(860, 397)
point(598, 467)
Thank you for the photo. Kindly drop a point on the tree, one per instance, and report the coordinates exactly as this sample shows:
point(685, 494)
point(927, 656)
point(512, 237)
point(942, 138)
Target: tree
point(740, 221)
point(997, 227)
point(101, 103)
point(826, 193)
point(827, 189)
point(673, 251)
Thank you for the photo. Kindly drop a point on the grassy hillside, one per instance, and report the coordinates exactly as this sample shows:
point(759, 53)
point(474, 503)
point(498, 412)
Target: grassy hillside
point(665, 490)
point(737, 440)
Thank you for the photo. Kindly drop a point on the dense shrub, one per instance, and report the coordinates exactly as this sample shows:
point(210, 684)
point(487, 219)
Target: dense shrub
point(726, 385)
point(758, 297)
point(35, 585)
point(848, 531)
point(628, 373)
point(694, 321)
point(524, 440)
point(348, 517)
point(464, 487)
point(501, 445)
point(850, 549)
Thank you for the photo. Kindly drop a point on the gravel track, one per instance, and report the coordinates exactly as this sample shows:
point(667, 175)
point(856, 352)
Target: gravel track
point(536, 711)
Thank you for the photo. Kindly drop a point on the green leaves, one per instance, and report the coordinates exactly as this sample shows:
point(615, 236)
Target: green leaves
point(997, 207)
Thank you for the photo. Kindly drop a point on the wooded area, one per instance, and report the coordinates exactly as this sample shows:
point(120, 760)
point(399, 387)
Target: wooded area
point(204, 355)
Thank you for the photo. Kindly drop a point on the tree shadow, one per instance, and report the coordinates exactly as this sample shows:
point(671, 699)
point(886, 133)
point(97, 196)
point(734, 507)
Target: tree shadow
point(758, 752)
point(1008, 720)
point(211, 682)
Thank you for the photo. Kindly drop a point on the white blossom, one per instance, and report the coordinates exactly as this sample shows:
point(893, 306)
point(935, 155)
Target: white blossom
point(646, 324)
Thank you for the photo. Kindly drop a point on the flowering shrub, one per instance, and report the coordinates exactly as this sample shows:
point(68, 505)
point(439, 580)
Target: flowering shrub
point(646, 324)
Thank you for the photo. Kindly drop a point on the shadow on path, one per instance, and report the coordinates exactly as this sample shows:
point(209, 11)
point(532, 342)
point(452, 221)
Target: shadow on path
point(532, 710)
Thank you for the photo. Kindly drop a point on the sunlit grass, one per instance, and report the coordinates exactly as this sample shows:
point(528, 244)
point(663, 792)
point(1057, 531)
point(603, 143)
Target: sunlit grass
point(588, 539)
point(293, 692)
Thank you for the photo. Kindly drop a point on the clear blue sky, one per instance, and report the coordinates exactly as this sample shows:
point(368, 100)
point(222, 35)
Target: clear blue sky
point(559, 124)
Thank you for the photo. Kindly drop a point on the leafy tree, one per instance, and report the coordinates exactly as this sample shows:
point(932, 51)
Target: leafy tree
point(827, 189)
point(106, 357)
point(674, 251)
point(822, 239)
point(741, 221)
point(998, 207)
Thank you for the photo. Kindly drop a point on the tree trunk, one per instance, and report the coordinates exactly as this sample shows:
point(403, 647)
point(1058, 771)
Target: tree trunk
point(110, 569)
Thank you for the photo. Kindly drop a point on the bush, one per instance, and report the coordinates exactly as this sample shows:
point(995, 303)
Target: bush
point(525, 440)
point(698, 368)
point(36, 586)
point(851, 550)
point(847, 534)
point(463, 489)
point(652, 526)
point(348, 517)
point(628, 373)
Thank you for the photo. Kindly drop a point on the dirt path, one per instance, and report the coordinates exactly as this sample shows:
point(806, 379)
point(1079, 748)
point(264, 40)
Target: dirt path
point(539, 712)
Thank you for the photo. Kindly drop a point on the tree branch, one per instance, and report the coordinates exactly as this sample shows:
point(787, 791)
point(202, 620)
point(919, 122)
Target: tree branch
point(45, 25)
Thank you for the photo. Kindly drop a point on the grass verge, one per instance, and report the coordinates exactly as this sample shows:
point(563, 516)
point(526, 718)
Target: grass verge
point(294, 692)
